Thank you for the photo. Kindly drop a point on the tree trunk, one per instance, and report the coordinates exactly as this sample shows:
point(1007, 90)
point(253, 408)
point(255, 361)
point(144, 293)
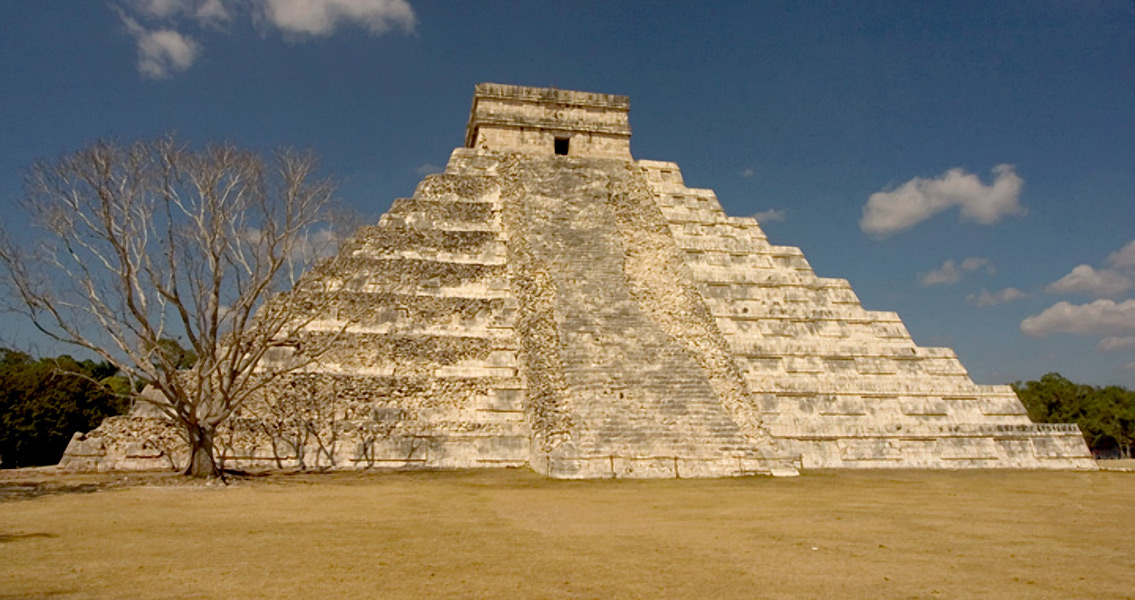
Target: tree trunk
point(201, 462)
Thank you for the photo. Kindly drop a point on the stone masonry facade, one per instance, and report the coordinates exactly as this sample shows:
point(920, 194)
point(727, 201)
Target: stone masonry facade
point(551, 302)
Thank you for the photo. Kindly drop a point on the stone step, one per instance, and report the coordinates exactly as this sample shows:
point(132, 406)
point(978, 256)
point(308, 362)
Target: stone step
point(756, 346)
point(927, 430)
point(395, 320)
point(393, 239)
point(758, 310)
point(438, 211)
point(408, 310)
point(861, 385)
point(844, 365)
point(400, 275)
point(457, 187)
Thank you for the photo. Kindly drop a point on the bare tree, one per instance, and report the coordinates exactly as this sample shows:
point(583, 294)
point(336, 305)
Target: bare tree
point(145, 242)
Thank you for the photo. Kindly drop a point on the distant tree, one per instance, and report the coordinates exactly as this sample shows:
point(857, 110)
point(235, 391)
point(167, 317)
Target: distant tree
point(176, 355)
point(43, 402)
point(1112, 412)
point(1052, 398)
point(1106, 416)
point(140, 244)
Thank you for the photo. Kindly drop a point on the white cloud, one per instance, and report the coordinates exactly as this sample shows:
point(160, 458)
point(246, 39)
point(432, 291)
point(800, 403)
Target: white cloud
point(322, 17)
point(1115, 344)
point(204, 11)
point(159, 8)
point(1124, 258)
point(946, 274)
point(1109, 282)
point(772, 214)
point(1099, 317)
point(314, 244)
point(1083, 279)
point(163, 48)
point(974, 263)
point(320, 243)
point(429, 169)
point(212, 10)
point(891, 211)
point(747, 173)
point(986, 298)
point(161, 52)
point(950, 272)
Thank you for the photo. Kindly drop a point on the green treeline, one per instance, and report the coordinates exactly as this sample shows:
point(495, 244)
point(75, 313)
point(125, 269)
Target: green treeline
point(44, 402)
point(1106, 415)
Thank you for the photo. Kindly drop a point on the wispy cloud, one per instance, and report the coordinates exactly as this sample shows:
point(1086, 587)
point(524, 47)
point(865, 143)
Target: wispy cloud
point(1116, 344)
point(164, 48)
point(429, 169)
point(1106, 282)
point(200, 10)
point(158, 8)
point(1111, 319)
point(890, 211)
point(986, 298)
point(772, 214)
point(747, 173)
point(161, 52)
point(1124, 258)
point(1099, 317)
point(1101, 283)
point(951, 272)
point(314, 244)
point(212, 10)
point(322, 17)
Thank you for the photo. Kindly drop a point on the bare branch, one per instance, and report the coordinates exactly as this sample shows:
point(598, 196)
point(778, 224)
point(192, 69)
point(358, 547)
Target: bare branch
point(144, 243)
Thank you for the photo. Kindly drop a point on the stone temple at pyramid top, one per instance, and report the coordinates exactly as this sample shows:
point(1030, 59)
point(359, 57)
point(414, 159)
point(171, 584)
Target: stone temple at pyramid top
point(548, 121)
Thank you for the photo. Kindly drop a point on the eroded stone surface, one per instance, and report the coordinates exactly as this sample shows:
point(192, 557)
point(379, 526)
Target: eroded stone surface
point(562, 306)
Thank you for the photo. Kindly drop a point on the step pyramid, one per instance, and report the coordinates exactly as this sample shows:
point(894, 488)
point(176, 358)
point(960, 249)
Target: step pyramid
point(550, 301)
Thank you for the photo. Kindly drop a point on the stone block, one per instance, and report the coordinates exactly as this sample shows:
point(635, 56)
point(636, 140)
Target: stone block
point(1053, 447)
point(868, 450)
point(969, 449)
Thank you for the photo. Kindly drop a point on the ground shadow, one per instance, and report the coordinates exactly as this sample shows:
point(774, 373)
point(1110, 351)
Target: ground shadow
point(16, 537)
point(28, 490)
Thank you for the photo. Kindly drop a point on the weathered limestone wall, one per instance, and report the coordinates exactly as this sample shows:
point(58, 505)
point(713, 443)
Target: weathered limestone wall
point(508, 118)
point(664, 288)
point(542, 141)
point(845, 386)
point(631, 400)
point(591, 316)
point(423, 372)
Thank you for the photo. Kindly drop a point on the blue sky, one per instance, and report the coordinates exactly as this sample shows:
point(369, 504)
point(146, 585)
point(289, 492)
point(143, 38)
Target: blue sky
point(970, 165)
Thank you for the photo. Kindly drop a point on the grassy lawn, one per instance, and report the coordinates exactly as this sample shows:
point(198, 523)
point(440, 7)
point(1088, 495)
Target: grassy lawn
point(496, 534)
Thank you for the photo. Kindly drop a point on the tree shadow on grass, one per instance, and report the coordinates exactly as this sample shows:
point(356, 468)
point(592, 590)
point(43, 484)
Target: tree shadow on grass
point(10, 491)
point(6, 538)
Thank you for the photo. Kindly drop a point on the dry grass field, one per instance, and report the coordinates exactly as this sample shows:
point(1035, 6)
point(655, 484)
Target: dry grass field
point(513, 534)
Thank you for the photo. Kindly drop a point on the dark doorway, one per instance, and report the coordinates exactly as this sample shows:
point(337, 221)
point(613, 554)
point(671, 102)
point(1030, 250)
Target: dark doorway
point(562, 145)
